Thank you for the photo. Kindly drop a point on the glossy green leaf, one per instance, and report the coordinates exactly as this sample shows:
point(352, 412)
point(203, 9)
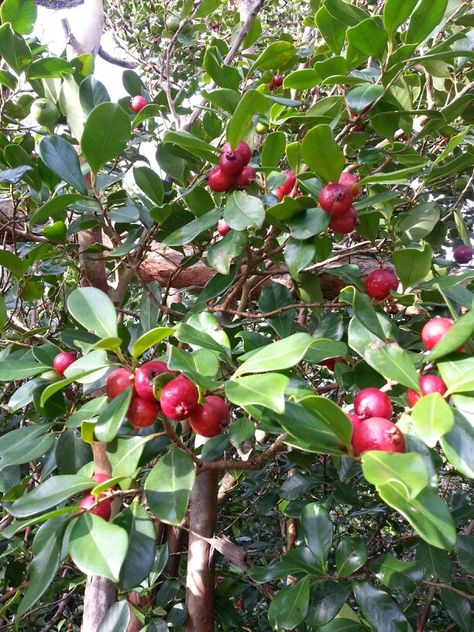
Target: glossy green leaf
point(223, 75)
point(419, 222)
point(55, 207)
point(308, 223)
point(116, 618)
point(458, 445)
point(426, 17)
point(379, 609)
point(412, 264)
point(298, 254)
point(223, 251)
point(25, 444)
point(106, 133)
point(200, 366)
point(279, 355)
point(92, 92)
point(197, 338)
point(72, 452)
point(49, 68)
point(359, 98)
point(111, 418)
point(332, 29)
point(20, 13)
point(290, 605)
point(150, 339)
point(142, 545)
point(169, 485)
point(187, 233)
point(322, 154)
point(61, 158)
point(460, 332)
point(244, 211)
point(465, 552)
point(150, 183)
point(251, 103)
point(14, 49)
point(393, 362)
point(94, 310)
point(301, 79)
point(317, 530)
point(276, 55)
point(262, 390)
point(366, 39)
point(98, 547)
point(408, 470)
point(124, 454)
point(458, 374)
point(351, 554)
point(395, 12)
point(432, 418)
point(273, 149)
point(49, 494)
point(192, 144)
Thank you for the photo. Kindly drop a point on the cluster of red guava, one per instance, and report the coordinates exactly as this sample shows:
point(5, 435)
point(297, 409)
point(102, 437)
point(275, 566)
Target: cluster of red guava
point(232, 169)
point(275, 83)
point(336, 199)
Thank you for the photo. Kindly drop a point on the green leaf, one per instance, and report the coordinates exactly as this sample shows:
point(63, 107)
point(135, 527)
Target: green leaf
point(94, 310)
point(298, 254)
point(98, 547)
point(187, 233)
point(273, 297)
point(362, 96)
point(380, 609)
point(111, 418)
point(324, 348)
point(366, 39)
point(49, 68)
point(55, 206)
point(419, 222)
point(221, 253)
point(25, 444)
point(14, 49)
point(150, 183)
point(240, 431)
point(276, 55)
point(223, 75)
point(244, 211)
point(20, 13)
point(273, 149)
point(395, 12)
point(200, 366)
point(72, 452)
point(345, 12)
point(262, 390)
point(49, 494)
point(193, 145)
point(124, 455)
point(251, 103)
point(116, 618)
point(61, 158)
point(332, 30)
point(3, 313)
point(106, 133)
point(460, 332)
point(393, 362)
point(364, 310)
point(351, 554)
point(322, 154)
point(142, 545)
point(168, 486)
point(150, 339)
point(302, 79)
point(92, 93)
point(408, 470)
point(20, 369)
point(412, 264)
point(432, 418)
point(465, 552)
point(198, 338)
point(290, 605)
point(317, 530)
point(426, 17)
point(458, 445)
point(458, 374)
point(279, 355)
point(327, 599)
point(308, 223)
point(46, 562)
point(13, 176)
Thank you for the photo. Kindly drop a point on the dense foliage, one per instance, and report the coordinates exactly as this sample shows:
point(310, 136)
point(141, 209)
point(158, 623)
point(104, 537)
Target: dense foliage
point(116, 258)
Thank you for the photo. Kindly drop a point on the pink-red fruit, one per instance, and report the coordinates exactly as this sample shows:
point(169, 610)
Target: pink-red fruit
point(117, 381)
point(350, 180)
point(142, 412)
point(144, 378)
point(246, 176)
point(428, 384)
point(335, 199)
point(354, 419)
point(179, 398)
point(230, 163)
point(138, 102)
point(345, 223)
point(104, 510)
point(63, 360)
point(377, 433)
point(242, 148)
point(370, 402)
point(434, 330)
point(219, 182)
point(207, 419)
point(223, 227)
point(379, 283)
point(462, 254)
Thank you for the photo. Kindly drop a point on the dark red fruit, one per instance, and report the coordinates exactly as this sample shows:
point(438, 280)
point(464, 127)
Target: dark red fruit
point(335, 199)
point(462, 254)
point(379, 283)
point(277, 81)
point(349, 180)
point(206, 420)
point(330, 363)
point(230, 163)
point(63, 360)
point(117, 381)
point(290, 181)
point(370, 402)
point(104, 510)
point(242, 148)
point(357, 128)
point(100, 477)
point(428, 384)
point(223, 227)
point(144, 378)
point(138, 102)
point(354, 419)
point(246, 176)
point(219, 182)
point(434, 330)
point(377, 433)
point(179, 398)
point(142, 413)
point(344, 223)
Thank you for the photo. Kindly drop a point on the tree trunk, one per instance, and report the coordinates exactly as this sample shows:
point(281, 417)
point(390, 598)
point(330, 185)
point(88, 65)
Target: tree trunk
point(200, 579)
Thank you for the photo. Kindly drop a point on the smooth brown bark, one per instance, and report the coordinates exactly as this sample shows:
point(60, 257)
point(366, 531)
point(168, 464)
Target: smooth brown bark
point(200, 580)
